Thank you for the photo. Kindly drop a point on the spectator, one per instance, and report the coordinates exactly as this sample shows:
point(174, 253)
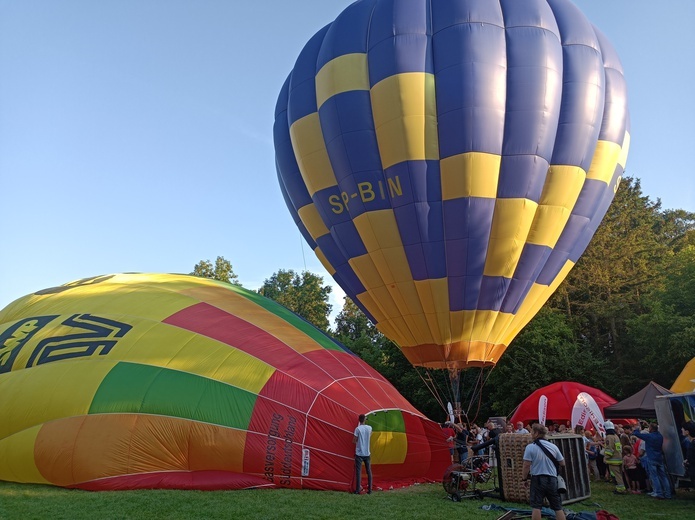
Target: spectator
point(654, 442)
point(361, 439)
point(475, 438)
point(592, 454)
point(509, 428)
point(520, 428)
point(601, 459)
point(543, 473)
point(450, 436)
point(644, 463)
point(630, 468)
point(689, 462)
point(614, 458)
point(461, 441)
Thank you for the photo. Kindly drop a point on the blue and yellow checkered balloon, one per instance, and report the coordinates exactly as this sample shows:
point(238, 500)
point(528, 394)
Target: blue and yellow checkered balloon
point(449, 161)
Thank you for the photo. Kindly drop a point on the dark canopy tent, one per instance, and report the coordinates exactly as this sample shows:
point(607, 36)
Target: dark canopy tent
point(639, 405)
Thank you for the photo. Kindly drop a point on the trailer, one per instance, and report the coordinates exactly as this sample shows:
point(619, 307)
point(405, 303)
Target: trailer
point(672, 411)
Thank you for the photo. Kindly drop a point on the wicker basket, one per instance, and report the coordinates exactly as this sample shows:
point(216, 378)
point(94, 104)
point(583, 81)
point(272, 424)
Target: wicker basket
point(512, 446)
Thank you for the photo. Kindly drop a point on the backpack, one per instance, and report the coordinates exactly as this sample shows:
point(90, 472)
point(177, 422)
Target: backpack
point(605, 515)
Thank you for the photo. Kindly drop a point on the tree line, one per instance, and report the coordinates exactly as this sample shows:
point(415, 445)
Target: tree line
point(624, 316)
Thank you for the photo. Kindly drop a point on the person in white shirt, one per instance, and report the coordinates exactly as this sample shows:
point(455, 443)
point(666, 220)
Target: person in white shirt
point(520, 428)
point(543, 473)
point(363, 434)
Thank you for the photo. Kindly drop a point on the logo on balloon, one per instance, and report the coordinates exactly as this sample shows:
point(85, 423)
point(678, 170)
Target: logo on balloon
point(367, 192)
point(14, 338)
point(99, 337)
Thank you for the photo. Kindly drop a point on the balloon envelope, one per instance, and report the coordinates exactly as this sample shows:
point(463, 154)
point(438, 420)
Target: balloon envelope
point(561, 399)
point(449, 160)
point(139, 381)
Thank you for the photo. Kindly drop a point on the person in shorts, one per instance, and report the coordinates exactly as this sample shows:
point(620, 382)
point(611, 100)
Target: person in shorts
point(542, 473)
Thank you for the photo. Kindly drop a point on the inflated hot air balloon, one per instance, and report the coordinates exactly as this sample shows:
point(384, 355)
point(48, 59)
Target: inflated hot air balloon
point(449, 161)
point(172, 381)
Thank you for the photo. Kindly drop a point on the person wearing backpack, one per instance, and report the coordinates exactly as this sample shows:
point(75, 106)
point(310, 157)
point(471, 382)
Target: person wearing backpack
point(542, 468)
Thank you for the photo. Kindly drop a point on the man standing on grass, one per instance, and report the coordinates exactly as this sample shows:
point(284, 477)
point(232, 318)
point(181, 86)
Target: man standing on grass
point(654, 442)
point(543, 473)
point(363, 434)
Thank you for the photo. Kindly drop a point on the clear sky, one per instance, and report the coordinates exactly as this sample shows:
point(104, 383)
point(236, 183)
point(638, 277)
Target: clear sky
point(136, 135)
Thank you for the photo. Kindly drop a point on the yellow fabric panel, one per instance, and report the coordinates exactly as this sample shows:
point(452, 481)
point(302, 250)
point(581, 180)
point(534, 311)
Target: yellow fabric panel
point(460, 329)
point(685, 382)
point(405, 118)
point(472, 325)
point(403, 327)
point(383, 296)
point(366, 299)
point(378, 229)
point(548, 225)
point(392, 265)
point(179, 349)
point(387, 329)
point(502, 322)
point(366, 271)
point(26, 403)
point(435, 332)
point(420, 328)
point(603, 163)
point(312, 156)
point(622, 160)
point(388, 447)
point(157, 304)
point(433, 295)
point(560, 193)
point(17, 457)
point(535, 299)
point(511, 223)
point(342, 74)
point(562, 186)
point(411, 297)
point(310, 217)
point(81, 449)
point(471, 174)
point(483, 324)
point(243, 308)
point(324, 261)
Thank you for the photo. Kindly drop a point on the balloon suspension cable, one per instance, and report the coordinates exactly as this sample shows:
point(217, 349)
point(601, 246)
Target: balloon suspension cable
point(301, 246)
point(478, 389)
point(432, 387)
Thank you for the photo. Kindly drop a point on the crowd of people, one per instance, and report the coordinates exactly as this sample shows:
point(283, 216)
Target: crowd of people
point(630, 457)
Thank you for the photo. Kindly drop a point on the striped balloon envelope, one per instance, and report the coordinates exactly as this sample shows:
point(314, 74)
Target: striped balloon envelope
point(449, 161)
point(170, 381)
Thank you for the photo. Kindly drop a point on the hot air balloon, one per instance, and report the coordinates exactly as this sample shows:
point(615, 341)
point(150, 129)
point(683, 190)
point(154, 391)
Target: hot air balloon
point(448, 161)
point(169, 381)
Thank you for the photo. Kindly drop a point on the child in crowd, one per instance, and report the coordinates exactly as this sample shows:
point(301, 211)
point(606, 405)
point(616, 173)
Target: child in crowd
point(630, 467)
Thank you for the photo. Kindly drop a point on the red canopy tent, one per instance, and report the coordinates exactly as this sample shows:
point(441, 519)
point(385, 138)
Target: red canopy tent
point(561, 398)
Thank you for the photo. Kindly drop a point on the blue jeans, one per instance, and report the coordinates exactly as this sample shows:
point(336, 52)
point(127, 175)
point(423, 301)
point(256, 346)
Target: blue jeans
point(660, 482)
point(358, 472)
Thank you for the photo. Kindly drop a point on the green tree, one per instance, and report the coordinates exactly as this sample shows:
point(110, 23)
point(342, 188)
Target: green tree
point(304, 294)
point(222, 271)
point(663, 338)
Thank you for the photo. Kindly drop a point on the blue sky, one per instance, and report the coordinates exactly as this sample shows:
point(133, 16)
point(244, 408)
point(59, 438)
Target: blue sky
point(136, 135)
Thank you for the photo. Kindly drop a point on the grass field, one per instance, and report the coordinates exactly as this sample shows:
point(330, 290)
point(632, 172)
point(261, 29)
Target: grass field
point(18, 501)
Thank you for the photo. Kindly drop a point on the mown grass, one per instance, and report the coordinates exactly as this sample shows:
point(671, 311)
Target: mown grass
point(19, 501)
